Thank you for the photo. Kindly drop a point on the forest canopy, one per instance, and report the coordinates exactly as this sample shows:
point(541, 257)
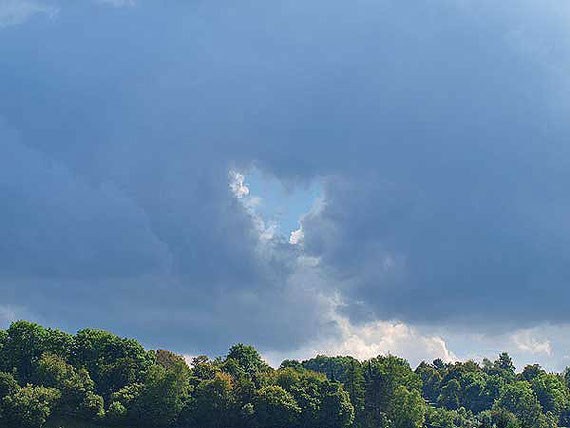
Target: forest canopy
point(96, 378)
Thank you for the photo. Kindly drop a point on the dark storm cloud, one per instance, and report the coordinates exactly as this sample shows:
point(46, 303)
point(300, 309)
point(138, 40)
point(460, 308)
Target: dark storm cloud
point(439, 130)
point(56, 225)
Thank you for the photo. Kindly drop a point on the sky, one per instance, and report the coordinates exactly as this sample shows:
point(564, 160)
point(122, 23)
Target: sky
point(318, 176)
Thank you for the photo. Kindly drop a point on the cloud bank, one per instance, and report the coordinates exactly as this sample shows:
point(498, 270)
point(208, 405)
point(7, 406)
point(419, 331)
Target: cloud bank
point(438, 132)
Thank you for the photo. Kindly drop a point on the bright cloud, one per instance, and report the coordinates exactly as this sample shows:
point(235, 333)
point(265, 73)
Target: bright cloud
point(237, 184)
point(368, 339)
point(526, 341)
point(296, 236)
point(383, 337)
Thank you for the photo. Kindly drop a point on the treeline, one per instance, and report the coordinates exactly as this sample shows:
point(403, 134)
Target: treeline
point(98, 377)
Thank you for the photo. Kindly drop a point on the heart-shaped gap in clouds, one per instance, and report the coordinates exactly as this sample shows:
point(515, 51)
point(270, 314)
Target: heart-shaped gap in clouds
point(278, 206)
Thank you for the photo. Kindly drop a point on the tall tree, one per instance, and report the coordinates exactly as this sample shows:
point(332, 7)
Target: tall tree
point(75, 386)
point(29, 407)
point(247, 358)
point(213, 404)
point(407, 409)
point(112, 362)
point(275, 408)
point(519, 399)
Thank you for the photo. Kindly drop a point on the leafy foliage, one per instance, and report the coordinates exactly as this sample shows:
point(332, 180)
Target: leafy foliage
point(29, 407)
point(95, 378)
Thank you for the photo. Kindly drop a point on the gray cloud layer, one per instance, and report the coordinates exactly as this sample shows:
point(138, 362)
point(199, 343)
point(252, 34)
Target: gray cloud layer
point(439, 130)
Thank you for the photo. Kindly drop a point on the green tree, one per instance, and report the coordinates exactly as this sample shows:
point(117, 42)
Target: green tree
point(275, 408)
point(474, 393)
point(213, 404)
point(29, 407)
point(234, 369)
point(112, 362)
point(530, 372)
point(347, 370)
point(551, 392)
point(203, 369)
point(336, 410)
point(24, 344)
point(383, 375)
point(503, 366)
point(450, 395)
point(295, 364)
point(354, 384)
point(306, 387)
point(91, 407)
point(162, 396)
point(505, 362)
point(59, 343)
point(502, 418)
point(168, 359)
point(75, 385)
point(322, 403)
point(440, 417)
point(431, 381)
point(8, 387)
point(122, 404)
point(3, 342)
point(519, 399)
point(407, 409)
point(494, 387)
point(247, 358)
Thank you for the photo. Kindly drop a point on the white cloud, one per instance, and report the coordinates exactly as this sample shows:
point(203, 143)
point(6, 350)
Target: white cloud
point(543, 344)
point(373, 339)
point(381, 337)
point(526, 341)
point(370, 339)
point(267, 231)
point(14, 12)
point(237, 185)
point(297, 236)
